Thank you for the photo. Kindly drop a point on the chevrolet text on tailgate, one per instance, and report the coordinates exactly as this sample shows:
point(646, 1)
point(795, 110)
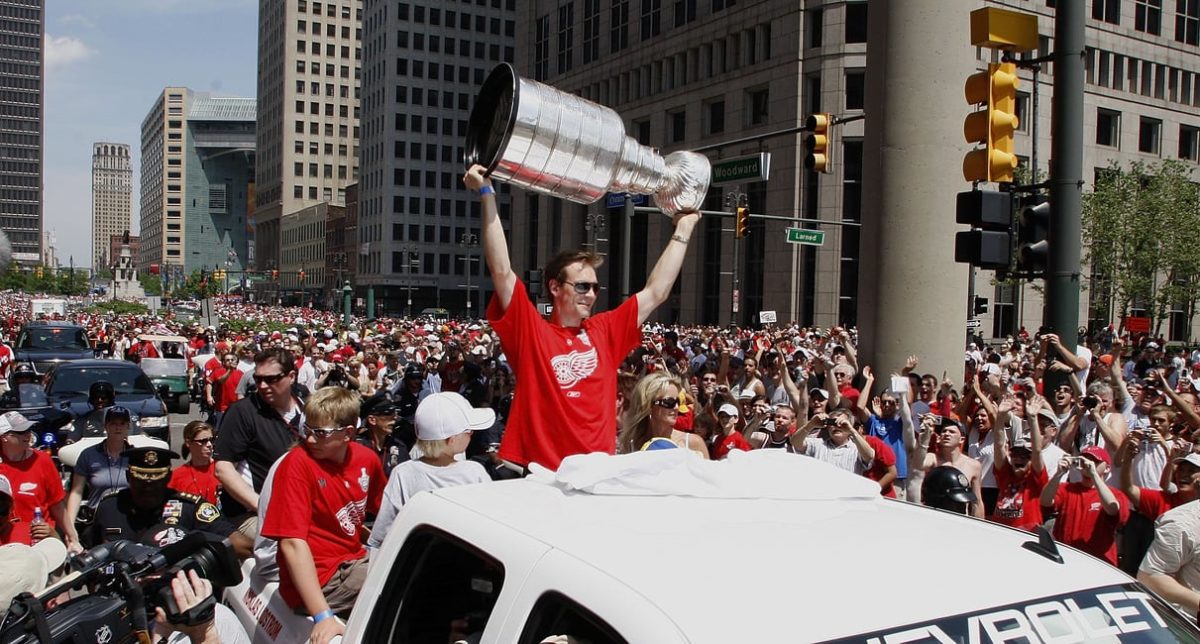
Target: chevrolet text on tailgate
point(660, 547)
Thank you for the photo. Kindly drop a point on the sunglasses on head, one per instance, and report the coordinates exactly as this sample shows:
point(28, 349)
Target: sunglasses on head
point(271, 379)
point(666, 403)
point(583, 287)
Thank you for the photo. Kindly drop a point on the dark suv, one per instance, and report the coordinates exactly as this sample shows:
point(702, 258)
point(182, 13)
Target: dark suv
point(47, 343)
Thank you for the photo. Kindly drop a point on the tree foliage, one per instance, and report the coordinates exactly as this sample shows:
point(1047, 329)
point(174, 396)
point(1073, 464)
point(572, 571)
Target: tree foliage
point(1138, 226)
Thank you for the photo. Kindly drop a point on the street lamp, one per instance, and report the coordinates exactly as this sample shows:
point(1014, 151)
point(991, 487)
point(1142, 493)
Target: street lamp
point(346, 292)
point(409, 251)
point(468, 242)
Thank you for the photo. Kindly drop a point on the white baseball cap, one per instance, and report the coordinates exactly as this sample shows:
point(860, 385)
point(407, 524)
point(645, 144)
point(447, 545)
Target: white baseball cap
point(13, 421)
point(447, 414)
point(26, 569)
point(728, 410)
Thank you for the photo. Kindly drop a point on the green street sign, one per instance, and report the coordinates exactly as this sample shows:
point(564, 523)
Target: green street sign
point(805, 236)
point(755, 167)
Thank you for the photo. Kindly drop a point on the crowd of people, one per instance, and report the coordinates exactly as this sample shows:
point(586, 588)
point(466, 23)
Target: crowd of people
point(1094, 439)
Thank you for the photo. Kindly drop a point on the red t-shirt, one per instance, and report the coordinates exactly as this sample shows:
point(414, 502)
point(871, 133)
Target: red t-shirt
point(1083, 523)
point(885, 457)
point(1155, 503)
point(36, 484)
point(15, 531)
point(340, 495)
point(225, 392)
point(6, 360)
point(190, 479)
point(1017, 503)
point(566, 392)
point(729, 443)
point(213, 369)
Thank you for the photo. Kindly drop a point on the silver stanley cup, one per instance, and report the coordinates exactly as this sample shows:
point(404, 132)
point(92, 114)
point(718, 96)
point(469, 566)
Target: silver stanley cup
point(561, 145)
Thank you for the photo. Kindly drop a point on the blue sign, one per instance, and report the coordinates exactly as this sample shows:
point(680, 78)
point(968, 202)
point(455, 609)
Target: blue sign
point(617, 200)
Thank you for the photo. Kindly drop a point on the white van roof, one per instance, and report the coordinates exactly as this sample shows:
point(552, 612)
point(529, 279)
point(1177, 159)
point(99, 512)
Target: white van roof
point(818, 568)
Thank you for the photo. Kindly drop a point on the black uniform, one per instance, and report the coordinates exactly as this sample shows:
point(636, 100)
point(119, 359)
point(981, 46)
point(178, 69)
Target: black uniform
point(118, 518)
point(394, 450)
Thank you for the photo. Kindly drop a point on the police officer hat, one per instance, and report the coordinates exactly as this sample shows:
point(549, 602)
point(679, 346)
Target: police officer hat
point(412, 371)
point(149, 463)
point(377, 405)
point(947, 488)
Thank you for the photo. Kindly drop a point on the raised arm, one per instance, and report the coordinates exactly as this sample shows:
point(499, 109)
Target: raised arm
point(797, 397)
point(851, 350)
point(862, 409)
point(1185, 408)
point(662, 278)
point(909, 365)
point(495, 246)
point(907, 430)
point(1125, 482)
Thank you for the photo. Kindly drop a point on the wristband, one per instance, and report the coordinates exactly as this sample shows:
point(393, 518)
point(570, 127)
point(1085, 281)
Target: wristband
point(322, 616)
point(487, 190)
point(679, 238)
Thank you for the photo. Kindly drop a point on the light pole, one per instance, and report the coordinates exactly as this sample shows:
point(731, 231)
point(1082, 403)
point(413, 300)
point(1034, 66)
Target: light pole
point(732, 201)
point(468, 242)
point(346, 292)
point(409, 250)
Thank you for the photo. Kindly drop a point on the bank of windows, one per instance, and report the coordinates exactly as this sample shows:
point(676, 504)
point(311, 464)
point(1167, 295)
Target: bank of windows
point(1152, 80)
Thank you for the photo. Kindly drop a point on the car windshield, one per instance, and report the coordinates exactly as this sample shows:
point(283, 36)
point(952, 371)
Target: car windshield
point(53, 338)
point(32, 395)
point(159, 367)
point(68, 380)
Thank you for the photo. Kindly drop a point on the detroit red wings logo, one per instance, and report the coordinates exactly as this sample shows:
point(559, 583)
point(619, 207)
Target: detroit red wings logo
point(570, 368)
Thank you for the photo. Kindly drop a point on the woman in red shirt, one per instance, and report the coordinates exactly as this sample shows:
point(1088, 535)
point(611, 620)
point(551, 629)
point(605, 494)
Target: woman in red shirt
point(197, 476)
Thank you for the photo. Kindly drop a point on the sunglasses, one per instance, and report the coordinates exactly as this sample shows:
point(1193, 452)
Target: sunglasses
point(271, 379)
point(323, 433)
point(666, 403)
point(583, 287)
point(202, 441)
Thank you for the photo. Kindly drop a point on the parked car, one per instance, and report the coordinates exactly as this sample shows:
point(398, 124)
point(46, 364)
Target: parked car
point(67, 386)
point(169, 369)
point(48, 343)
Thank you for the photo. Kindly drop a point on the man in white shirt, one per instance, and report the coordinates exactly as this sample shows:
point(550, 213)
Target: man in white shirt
point(1171, 568)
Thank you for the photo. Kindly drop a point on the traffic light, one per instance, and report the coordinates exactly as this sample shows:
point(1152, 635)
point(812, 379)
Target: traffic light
point(38, 272)
point(993, 126)
point(741, 223)
point(989, 243)
point(980, 305)
point(533, 282)
point(301, 276)
point(816, 144)
point(1033, 233)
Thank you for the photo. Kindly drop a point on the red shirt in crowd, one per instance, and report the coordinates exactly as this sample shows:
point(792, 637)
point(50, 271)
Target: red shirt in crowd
point(1017, 501)
point(15, 531)
point(884, 458)
point(189, 479)
point(225, 387)
point(1082, 522)
point(340, 496)
point(6, 360)
point(729, 443)
point(1155, 503)
point(36, 484)
point(566, 392)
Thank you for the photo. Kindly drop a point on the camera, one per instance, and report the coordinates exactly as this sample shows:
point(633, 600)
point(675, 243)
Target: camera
point(125, 582)
point(1077, 462)
point(1090, 402)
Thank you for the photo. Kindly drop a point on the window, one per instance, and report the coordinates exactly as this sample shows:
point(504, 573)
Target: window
point(651, 18)
point(856, 84)
point(1187, 21)
point(1149, 135)
point(566, 37)
point(556, 613)
point(591, 30)
point(756, 106)
point(685, 12)
point(814, 27)
point(714, 117)
point(1022, 112)
point(856, 22)
point(641, 131)
point(1107, 10)
point(718, 5)
point(676, 126)
point(619, 33)
point(541, 48)
point(1147, 16)
point(1189, 143)
point(1108, 127)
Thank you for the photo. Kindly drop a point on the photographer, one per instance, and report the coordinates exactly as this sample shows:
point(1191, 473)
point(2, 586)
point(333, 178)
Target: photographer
point(1089, 512)
point(338, 376)
point(190, 590)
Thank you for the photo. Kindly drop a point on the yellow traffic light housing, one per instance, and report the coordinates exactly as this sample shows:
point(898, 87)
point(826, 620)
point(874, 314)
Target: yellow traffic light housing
point(741, 223)
point(816, 144)
point(993, 126)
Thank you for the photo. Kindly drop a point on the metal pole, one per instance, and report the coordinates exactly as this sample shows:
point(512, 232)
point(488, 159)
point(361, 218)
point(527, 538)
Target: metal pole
point(1066, 172)
point(626, 244)
point(346, 292)
point(370, 303)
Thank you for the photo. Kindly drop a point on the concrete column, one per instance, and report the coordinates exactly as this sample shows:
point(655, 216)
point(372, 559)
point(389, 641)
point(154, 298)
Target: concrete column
point(912, 295)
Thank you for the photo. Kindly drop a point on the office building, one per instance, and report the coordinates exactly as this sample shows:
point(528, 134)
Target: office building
point(112, 198)
point(308, 80)
point(197, 189)
point(22, 84)
point(691, 73)
point(417, 226)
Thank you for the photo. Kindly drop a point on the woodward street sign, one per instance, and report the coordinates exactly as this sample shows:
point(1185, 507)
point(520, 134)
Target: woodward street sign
point(805, 236)
point(755, 167)
point(974, 323)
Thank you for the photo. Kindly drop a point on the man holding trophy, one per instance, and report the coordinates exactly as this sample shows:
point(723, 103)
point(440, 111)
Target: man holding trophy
point(547, 141)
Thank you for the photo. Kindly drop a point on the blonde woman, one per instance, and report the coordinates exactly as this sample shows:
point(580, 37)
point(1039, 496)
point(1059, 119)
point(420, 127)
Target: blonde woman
point(650, 412)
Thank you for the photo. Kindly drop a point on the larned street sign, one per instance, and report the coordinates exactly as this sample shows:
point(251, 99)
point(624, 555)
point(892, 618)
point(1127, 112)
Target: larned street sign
point(617, 200)
point(755, 167)
point(805, 237)
point(974, 323)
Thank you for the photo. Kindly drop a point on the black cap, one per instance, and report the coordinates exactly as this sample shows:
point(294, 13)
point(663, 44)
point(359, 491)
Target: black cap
point(377, 405)
point(116, 411)
point(149, 463)
point(412, 371)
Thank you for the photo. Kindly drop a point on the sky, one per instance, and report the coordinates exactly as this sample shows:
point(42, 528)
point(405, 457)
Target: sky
point(107, 61)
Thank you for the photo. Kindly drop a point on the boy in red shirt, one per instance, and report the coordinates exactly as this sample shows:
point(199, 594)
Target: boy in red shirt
point(1020, 472)
point(322, 561)
point(12, 529)
point(1089, 512)
point(35, 481)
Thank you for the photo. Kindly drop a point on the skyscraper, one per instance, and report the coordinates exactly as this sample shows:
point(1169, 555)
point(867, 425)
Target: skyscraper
point(308, 76)
point(197, 191)
point(112, 197)
point(22, 48)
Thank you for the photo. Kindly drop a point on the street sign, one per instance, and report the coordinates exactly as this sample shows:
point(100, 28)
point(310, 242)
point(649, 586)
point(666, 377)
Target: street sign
point(755, 167)
point(617, 200)
point(974, 323)
point(805, 236)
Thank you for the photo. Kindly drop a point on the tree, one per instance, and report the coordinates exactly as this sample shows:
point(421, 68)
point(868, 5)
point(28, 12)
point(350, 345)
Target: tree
point(1134, 232)
point(152, 284)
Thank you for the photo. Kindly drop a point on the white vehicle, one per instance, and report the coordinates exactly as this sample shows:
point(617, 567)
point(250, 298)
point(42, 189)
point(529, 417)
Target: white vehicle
point(661, 547)
point(48, 308)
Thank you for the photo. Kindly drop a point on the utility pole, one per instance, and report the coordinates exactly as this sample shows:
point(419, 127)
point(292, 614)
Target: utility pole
point(468, 242)
point(735, 200)
point(1066, 172)
point(409, 250)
